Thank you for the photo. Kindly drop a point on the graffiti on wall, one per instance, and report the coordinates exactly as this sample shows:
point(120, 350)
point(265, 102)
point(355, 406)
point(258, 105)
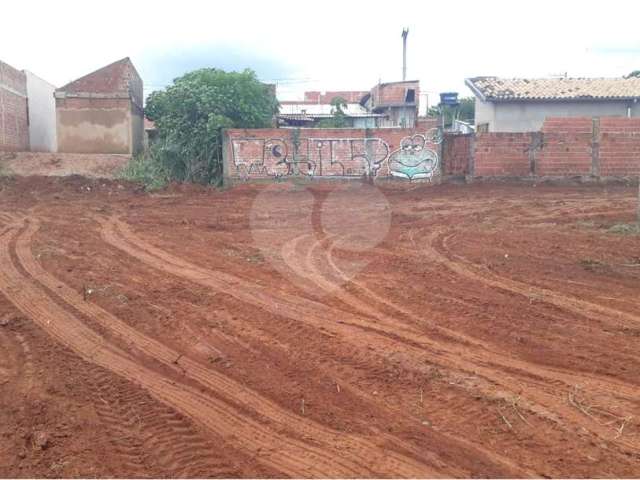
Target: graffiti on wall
point(344, 157)
point(414, 159)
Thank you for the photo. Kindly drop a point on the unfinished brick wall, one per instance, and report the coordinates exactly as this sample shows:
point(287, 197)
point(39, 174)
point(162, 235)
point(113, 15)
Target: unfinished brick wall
point(565, 147)
point(499, 154)
point(322, 152)
point(619, 147)
point(457, 154)
point(14, 126)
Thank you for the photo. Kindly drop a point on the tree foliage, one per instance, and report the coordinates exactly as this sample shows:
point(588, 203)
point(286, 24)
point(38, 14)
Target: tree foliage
point(339, 118)
point(465, 111)
point(635, 73)
point(191, 114)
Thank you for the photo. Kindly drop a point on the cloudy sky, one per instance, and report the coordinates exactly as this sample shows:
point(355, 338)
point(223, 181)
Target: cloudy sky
point(325, 45)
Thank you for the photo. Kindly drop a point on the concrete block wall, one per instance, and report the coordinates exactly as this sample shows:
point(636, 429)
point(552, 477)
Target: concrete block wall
point(14, 125)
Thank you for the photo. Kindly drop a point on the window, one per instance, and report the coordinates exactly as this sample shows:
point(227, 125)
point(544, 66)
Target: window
point(410, 96)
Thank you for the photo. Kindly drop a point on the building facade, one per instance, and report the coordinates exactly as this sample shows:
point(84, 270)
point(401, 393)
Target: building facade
point(521, 105)
point(42, 114)
point(14, 123)
point(102, 112)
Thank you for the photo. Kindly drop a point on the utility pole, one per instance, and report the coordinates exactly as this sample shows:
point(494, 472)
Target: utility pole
point(405, 32)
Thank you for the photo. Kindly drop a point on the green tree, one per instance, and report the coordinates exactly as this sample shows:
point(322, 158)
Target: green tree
point(464, 111)
point(339, 118)
point(191, 114)
point(635, 73)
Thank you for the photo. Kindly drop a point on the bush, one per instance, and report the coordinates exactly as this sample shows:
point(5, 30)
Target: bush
point(192, 113)
point(145, 169)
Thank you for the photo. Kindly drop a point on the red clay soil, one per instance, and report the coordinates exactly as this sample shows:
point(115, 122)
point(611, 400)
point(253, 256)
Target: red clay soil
point(329, 330)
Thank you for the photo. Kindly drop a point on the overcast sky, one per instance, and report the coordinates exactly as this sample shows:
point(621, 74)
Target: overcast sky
point(325, 45)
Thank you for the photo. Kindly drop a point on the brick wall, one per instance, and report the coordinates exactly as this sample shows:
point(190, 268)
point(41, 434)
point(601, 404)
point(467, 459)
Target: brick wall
point(14, 127)
point(457, 154)
point(321, 152)
point(619, 147)
point(500, 154)
point(565, 147)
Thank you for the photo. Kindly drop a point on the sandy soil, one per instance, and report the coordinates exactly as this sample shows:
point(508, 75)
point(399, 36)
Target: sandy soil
point(319, 331)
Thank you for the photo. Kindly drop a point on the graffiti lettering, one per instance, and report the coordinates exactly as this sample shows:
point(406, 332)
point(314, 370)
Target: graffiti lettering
point(340, 157)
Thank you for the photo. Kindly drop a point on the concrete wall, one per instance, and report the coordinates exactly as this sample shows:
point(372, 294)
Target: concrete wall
point(94, 125)
point(564, 147)
point(138, 135)
point(42, 114)
point(14, 128)
point(323, 152)
point(529, 116)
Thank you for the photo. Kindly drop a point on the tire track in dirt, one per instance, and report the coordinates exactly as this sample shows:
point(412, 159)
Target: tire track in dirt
point(567, 377)
point(306, 268)
point(556, 375)
point(466, 269)
point(144, 432)
point(332, 441)
point(543, 397)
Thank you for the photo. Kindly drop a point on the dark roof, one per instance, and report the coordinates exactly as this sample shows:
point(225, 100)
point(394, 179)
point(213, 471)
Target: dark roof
point(494, 89)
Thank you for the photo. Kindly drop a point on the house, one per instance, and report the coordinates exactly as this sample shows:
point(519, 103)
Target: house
point(14, 123)
point(102, 112)
point(393, 104)
point(396, 101)
point(521, 105)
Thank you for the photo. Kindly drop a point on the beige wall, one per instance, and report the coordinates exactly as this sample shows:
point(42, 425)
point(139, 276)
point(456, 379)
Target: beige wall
point(94, 125)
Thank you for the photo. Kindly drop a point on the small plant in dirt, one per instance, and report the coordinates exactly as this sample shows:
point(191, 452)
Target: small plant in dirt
point(625, 229)
point(145, 169)
point(592, 264)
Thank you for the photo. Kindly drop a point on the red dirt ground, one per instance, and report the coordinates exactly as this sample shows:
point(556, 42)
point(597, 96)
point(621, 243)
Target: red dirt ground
point(493, 331)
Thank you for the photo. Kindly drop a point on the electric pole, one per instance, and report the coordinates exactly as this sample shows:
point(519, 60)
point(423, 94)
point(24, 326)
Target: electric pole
point(405, 32)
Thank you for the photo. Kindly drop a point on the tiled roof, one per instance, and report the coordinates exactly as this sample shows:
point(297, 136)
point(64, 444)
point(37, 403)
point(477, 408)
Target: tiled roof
point(509, 89)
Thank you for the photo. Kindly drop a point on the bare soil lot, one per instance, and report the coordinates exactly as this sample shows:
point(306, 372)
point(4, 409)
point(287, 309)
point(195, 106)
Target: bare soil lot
point(318, 331)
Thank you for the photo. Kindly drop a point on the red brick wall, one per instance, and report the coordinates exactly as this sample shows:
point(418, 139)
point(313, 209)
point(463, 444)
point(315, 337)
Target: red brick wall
point(619, 147)
point(333, 152)
point(579, 146)
point(566, 149)
point(394, 93)
point(457, 154)
point(14, 127)
point(502, 154)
